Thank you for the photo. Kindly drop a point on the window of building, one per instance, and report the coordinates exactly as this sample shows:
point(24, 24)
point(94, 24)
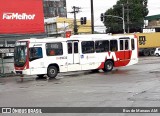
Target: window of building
point(55, 8)
point(51, 28)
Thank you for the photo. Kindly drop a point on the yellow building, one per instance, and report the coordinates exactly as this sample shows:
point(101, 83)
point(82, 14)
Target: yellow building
point(64, 24)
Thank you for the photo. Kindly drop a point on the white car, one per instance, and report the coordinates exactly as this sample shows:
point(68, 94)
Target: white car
point(157, 52)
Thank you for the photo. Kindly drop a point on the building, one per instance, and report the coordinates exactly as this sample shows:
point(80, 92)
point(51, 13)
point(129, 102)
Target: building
point(26, 20)
point(54, 8)
point(58, 26)
point(152, 23)
point(20, 20)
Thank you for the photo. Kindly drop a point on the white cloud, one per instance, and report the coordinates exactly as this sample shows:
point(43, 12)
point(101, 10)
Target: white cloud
point(154, 7)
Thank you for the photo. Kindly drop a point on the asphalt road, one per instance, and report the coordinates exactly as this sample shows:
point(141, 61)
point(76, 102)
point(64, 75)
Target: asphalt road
point(134, 86)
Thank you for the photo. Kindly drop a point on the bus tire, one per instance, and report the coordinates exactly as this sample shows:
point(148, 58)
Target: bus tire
point(152, 52)
point(52, 71)
point(146, 52)
point(108, 66)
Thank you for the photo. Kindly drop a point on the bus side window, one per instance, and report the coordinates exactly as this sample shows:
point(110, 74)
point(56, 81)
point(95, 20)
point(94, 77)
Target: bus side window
point(132, 44)
point(126, 45)
point(35, 53)
point(121, 45)
point(106, 45)
point(54, 49)
point(102, 46)
point(113, 45)
point(51, 53)
point(75, 47)
point(87, 47)
point(69, 48)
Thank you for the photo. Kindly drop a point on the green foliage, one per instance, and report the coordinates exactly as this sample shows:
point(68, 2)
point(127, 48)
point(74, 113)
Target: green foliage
point(137, 11)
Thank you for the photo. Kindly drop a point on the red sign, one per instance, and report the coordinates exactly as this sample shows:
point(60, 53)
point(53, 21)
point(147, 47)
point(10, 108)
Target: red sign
point(68, 34)
point(21, 16)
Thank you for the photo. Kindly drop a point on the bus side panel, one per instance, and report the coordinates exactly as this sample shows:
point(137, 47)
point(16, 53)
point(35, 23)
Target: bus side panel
point(100, 59)
point(37, 66)
point(87, 61)
point(40, 66)
point(60, 60)
point(122, 60)
point(134, 55)
point(118, 58)
point(115, 56)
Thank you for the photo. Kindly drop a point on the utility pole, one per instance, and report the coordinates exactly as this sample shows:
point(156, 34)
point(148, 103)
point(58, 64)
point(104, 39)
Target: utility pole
point(124, 30)
point(92, 17)
point(75, 10)
point(128, 16)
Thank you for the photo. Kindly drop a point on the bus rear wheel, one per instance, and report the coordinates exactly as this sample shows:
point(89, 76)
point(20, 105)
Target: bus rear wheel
point(108, 66)
point(52, 71)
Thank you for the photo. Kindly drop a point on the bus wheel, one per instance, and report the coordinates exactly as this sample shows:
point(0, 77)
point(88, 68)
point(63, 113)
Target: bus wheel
point(108, 66)
point(146, 52)
point(152, 52)
point(40, 76)
point(52, 71)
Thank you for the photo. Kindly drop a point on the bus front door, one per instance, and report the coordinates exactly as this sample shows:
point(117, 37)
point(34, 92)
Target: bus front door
point(73, 56)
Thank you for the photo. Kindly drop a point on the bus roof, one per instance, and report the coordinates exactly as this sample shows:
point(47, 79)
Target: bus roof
point(48, 39)
point(88, 37)
point(99, 36)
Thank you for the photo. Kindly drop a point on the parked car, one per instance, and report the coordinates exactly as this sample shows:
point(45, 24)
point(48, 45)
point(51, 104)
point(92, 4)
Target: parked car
point(157, 52)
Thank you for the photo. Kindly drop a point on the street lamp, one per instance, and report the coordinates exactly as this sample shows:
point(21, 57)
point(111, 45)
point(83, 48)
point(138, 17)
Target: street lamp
point(123, 19)
point(102, 16)
point(119, 18)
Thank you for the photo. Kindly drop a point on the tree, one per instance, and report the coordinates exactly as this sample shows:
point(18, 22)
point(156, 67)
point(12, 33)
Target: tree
point(136, 11)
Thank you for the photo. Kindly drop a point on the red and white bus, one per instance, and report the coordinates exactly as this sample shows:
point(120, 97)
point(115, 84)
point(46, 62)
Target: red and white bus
point(50, 56)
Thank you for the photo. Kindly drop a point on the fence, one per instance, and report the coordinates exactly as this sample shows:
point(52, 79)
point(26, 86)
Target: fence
point(6, 67)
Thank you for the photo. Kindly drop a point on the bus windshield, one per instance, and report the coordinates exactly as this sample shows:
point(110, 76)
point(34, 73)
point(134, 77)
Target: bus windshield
point(20, 53)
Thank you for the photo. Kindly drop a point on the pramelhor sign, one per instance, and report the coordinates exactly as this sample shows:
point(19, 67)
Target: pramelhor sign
point(21, 17)
point(17, 16)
